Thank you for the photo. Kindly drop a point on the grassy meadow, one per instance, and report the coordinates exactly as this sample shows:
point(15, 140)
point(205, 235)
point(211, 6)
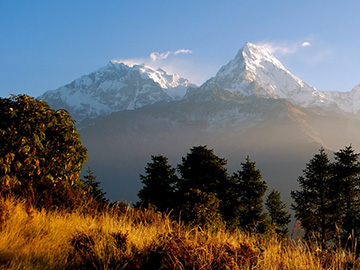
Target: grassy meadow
point(127, 238)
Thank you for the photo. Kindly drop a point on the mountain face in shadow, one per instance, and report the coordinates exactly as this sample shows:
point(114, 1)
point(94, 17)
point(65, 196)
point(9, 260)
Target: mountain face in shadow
point(278, 135)
point(253, 106)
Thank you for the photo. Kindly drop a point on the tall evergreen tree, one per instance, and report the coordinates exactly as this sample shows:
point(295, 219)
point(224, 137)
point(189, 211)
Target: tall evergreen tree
point(250, 190)
point(279, 217)
point(92, 187)
point(202, 169)
point(313, 201)
point(204, 172)
point(347, 180)
point(159, 184)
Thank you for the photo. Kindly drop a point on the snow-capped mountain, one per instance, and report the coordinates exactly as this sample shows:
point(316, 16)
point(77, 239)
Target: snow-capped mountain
point(253, 106)
point(255, 71)
point(346, 101)
point(116, 87)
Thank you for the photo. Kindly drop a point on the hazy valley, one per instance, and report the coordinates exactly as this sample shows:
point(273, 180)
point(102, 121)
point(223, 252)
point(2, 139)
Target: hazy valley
point(253, 106)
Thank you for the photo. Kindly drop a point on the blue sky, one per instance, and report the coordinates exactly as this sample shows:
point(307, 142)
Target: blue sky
point(46, 44)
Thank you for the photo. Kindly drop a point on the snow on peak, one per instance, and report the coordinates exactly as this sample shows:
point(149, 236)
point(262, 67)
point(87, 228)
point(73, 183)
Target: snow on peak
point(126, 84)
point(115, 87)
point(255, 71)
point(255, 55)
point(356, 89)
point(160, 76)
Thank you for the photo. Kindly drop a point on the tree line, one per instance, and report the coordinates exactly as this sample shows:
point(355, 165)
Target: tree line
point(203, 193)
point(41, 157)
point(328, 202)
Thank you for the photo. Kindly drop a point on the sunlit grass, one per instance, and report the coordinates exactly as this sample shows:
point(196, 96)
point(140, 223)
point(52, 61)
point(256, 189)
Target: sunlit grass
point(133, 239)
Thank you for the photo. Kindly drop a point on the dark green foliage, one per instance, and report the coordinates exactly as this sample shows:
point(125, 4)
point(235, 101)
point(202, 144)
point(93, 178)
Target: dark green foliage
point(312, 202)
point(205, 194)
point(159, 184)
point(41, 154)
point(201, 209)
point(347, 187)
point(202, 169)
point(92, 188)
point(250, 189)
point(204, 177)
point(279, 217)
point(328, 204)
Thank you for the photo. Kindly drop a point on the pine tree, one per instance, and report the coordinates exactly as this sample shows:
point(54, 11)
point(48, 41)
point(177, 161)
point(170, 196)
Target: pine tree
point(347, 181)
point(159, 184)
point(250, 189)
point(202, 169)
point(204, 172)
point(92, 187)
point(313, 201)
point(279, 217)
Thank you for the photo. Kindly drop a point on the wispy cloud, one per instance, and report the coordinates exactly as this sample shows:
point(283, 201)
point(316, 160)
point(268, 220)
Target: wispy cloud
point(173, 63)
point(159, 56)
point(284, 48)
point(306, 51)
point(154, 56)
point(182, 51)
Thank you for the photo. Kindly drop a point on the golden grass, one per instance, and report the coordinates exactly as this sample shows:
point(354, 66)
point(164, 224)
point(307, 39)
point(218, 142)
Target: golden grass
point(133, 239)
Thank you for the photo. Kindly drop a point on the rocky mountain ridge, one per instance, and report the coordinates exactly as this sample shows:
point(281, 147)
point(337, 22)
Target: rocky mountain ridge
point(116, 87)
point(253, 72)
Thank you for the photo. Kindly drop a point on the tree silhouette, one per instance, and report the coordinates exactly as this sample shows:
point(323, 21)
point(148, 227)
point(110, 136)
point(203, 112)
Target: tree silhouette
point(347, 181)
point(313, 202)
point(279, 217)
point(250, 189)
point(159, 184)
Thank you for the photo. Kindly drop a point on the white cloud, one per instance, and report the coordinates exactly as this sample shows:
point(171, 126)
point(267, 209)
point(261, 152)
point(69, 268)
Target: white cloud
point(164, 55)
point(284, 48)
point(159, 56)
point(173, 63)
point(300, 51)
point(182, 51)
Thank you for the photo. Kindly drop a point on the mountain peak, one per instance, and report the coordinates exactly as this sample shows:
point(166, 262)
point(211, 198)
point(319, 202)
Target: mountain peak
point(120, 85)
point(256, 72)
point(254, 55)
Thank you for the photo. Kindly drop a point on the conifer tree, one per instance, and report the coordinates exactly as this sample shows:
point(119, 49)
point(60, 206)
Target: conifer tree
point(92, 187)
point(347, 181)
point(313, 201)
point(279, 217)
point(159, 184)
point(250, 189)
point(202, 169)
point(204, 172)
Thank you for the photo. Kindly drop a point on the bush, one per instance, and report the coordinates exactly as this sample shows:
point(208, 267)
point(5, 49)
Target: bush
point(41, 154)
